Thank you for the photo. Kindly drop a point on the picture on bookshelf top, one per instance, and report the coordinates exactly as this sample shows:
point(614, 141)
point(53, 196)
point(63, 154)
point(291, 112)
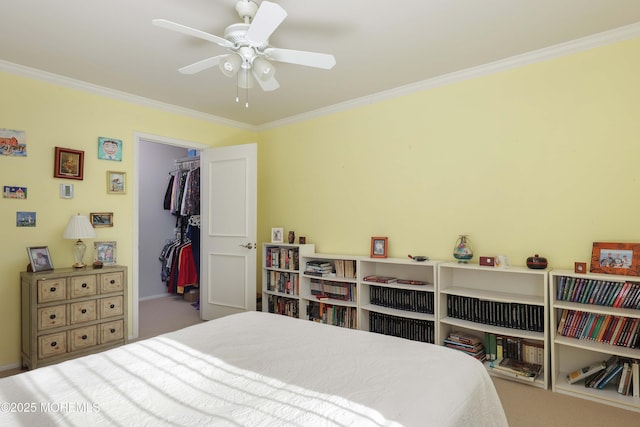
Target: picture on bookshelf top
point(616, 258)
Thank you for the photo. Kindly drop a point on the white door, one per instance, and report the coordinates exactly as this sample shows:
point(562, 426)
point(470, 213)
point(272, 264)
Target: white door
point(228, 191)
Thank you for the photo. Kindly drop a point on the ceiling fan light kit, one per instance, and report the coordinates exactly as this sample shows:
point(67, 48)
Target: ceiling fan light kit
point(248, 44)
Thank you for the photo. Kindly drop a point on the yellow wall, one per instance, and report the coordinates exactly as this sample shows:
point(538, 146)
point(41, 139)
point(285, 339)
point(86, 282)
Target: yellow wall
point(539, 159)
point(56, 116)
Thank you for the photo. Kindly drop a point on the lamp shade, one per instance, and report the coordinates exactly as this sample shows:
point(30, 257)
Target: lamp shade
point(79, 227)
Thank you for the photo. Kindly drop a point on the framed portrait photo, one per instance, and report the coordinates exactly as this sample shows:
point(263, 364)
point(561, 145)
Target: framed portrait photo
point(105, 252)
point(40, 258)
point(116, 182)
point(379, 247)
point(616, 258)
point(277, 235)
point(68, 163)
point(101, 219)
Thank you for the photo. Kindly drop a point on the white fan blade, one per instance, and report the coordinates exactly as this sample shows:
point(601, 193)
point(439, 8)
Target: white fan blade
point(300, 57)
point(201, 65)
point(163, 23)
point(267, 19)
point(269, 85)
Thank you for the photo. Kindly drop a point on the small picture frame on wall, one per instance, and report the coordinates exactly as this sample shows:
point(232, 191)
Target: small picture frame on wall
point(68, 163)
point(277, 235)
point(101, 219)
point(109, 149)
point(105, 252)
point(116, 182)
point(40, 259)
point(616, 258)
point(379, 247)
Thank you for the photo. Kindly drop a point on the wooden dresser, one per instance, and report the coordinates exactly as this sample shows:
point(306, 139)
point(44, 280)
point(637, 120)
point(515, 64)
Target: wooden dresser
point(70, 312)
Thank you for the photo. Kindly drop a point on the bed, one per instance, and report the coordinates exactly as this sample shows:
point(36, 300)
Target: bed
point(258, 369)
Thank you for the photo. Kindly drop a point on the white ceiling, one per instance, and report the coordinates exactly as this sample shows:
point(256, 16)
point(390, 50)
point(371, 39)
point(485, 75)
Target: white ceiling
point(379, 45)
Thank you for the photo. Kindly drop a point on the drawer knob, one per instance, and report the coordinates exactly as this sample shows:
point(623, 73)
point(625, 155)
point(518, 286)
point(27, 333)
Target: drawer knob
point(112, 330)
point(52, 316)
point(53, 289)
point(112, 306)
point(84, 337)
point(54, 343)
point(112, 281)
point(83, 311)
point(84, 285)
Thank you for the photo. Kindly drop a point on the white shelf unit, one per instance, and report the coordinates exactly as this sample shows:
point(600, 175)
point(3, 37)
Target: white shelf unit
point(316, 302)
point(405, 310)
point(569, 354)
point(281, 277)
point(515, 287)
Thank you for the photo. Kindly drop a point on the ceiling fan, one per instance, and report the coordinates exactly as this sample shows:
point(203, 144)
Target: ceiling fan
point(248, 44)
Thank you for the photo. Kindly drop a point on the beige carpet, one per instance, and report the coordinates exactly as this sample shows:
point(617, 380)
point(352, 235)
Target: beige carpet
point(524, 405)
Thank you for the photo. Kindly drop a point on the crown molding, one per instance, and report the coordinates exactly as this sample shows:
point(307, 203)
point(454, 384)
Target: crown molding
point(563, 49)
point(574, 46)
point(57, 79)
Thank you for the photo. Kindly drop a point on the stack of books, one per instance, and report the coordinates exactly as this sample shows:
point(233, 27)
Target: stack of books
point(517, 369)
point(319, 268)
point(467, 343)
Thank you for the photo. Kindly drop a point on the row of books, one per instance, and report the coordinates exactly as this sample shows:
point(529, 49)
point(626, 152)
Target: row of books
point(619, 372)
point(345, 317)
point(284, 258)
point(504, 314)
point(402, 299)
point(599, 292)
point(283, 282)
point(390, 279)
point(319, 268)
point(412, 329)
point(284, 306)
point(608, 329)
point(506, 347)
point(345, 268)
point(335, 290)
point(466, 343)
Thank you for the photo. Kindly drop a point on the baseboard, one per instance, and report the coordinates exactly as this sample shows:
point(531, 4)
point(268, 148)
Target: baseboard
point(155, 297)
point(10, 366)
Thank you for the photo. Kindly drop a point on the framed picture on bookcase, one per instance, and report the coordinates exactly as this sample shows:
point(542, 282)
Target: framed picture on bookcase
point(616, 258)
point(379, 247)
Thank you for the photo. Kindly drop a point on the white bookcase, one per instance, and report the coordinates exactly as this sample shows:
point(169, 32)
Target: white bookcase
point(509, 302)
point(331, 298)
point(281, 277)
point(391, 307)
point(573, 351)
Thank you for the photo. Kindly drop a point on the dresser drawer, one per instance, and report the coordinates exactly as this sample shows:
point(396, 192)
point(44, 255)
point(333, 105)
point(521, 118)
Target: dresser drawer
point(82, 286)
point(84, 311)
point(80, 338)
point(111, 331)
point(111, 306)
point(52, 345)
point(111, 282)
point(52, 290)
point(52, 317)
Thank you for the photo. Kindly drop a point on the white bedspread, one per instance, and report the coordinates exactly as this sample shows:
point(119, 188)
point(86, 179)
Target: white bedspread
point(258, 369)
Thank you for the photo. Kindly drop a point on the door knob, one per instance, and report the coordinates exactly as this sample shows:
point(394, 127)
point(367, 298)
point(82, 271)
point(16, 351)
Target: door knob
point(249, 245)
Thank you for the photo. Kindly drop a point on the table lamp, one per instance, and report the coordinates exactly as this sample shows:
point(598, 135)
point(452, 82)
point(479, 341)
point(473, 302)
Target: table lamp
point(79, 228)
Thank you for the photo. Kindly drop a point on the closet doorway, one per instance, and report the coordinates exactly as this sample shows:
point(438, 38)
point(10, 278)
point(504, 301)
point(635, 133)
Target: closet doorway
point(153, 226)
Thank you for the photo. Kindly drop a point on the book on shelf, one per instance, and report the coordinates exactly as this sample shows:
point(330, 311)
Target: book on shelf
point(411, 282)
point(635, 378)
point(625, 379)
point(520, 369)
point(610, 376)
point(585, 372)
point(379, 279)
point(464, 338)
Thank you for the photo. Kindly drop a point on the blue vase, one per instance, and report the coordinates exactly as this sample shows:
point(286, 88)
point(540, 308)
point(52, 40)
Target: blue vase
point(462, 251)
